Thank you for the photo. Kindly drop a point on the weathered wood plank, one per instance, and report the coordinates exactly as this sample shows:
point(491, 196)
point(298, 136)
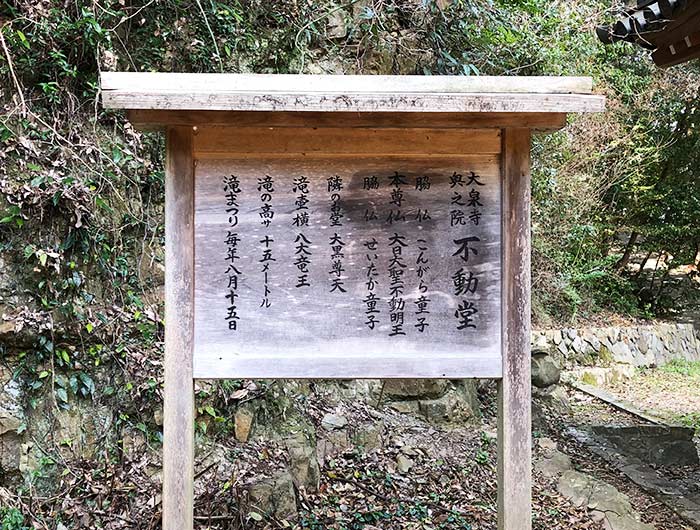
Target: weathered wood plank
point(317, 331)
point(372, 366)
point(249, 92)
point(467, 102)
point(225, 141)
point(178, 415)
point(159, 119)
point(340, 84)
point(514, 414)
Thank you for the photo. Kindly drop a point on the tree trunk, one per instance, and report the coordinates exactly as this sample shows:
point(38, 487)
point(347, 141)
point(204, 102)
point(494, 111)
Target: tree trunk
point(625, 259)
point(662, 284)
point(643, 264)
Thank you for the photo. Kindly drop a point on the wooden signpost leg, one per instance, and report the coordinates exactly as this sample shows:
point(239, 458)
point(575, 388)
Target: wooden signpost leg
point(514, 407)
point(178, 417)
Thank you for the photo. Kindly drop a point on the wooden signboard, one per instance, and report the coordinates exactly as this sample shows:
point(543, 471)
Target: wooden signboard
point(347, 227)
point(351, 263)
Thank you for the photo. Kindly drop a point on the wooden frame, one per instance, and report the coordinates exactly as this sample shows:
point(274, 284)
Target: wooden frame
point(514, 391)
point(384, 106)
point(178, 409)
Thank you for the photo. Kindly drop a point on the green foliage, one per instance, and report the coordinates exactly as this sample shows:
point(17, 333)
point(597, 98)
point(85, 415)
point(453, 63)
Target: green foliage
point(12, 519)
point(692, 420)
point(682, 367)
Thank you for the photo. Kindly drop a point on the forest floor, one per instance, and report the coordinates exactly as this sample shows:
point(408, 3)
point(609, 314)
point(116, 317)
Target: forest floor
point(411, 475)
point(671, 392)
point(451, 482)
point(584, 411)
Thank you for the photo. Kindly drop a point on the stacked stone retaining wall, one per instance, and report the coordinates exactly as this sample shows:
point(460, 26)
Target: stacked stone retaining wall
point(600, 355)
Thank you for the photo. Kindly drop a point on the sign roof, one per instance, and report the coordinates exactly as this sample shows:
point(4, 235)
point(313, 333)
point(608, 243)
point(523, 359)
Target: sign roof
point(348, 93)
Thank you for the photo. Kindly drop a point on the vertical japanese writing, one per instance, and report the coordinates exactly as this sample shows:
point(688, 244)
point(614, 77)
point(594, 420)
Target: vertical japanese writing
point(464, 280)
point(266, 189)
point(406, 257)
point(335, 184)
point(474, 201)
point(465, 285)
point(302, 249)
point(397, 304)
point(302, 260)
point(371, 299)
point(369, 184)
point(266, 260)
point(457, 202)
point(231, 186)
point(301, 208)
point(337, 270)
point(267, 214)
point(422, 302)
point(395, 214)
point(422, 184)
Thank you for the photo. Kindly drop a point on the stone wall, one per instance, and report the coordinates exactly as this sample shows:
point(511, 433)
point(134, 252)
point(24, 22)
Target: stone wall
point(600, 355)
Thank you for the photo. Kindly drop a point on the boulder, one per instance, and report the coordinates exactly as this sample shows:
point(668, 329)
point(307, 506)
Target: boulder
point(622, 354)
point(303, 465)
point(561, 348)
point(449, 408)
point(592, 340)
point(334, 421)
point(580, 346)
point(337, 28)
point(557, 337)
point(369, 437)
point(331, 444)
point(9, 423)
point(405, 407)
point(559, 398)
point(459, 405)
point(404, 464)
point(274, 496)
point(604, 502)
point(10, 453)
point(555, 396)
point(243, 424)
point(540, 341)
point(553, 463)
point(407, 389)
point(545, 370)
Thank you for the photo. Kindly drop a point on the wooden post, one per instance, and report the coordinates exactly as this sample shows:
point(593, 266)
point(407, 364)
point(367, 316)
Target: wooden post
point(178, 416)
point(514, 406)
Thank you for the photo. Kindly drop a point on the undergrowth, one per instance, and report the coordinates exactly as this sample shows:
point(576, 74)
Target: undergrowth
point(682, 367)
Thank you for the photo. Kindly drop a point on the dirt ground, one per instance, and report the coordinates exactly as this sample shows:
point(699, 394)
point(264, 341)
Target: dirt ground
point(671, 392)
point(586, 410)
point(413, 475)
point(452, 479)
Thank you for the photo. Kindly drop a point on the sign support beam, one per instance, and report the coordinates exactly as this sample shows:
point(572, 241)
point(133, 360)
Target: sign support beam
point(178, 416)
point(514, 392)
